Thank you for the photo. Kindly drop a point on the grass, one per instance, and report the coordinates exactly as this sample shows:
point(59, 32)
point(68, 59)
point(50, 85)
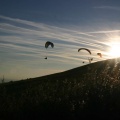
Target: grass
point(89, 91)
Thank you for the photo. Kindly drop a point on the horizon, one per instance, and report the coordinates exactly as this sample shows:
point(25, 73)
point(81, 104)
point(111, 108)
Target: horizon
point(117, 60)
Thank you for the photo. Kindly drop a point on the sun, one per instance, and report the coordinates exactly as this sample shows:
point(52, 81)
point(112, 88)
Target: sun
point(115, 50)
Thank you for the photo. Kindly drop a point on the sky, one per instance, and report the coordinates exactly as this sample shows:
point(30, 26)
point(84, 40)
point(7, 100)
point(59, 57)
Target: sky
point(26, 25)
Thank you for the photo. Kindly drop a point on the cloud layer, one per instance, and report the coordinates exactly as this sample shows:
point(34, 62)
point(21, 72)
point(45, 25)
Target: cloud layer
point(22, 42)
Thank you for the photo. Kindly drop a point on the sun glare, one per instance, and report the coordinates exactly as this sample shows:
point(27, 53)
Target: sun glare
point(115, 50)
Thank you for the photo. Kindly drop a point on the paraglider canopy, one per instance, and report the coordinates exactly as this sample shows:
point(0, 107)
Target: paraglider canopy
point(84, 49)
point(49, 43)
point(99, 54)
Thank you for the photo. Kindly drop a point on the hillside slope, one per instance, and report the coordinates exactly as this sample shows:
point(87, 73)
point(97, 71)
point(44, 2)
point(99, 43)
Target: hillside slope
point(110, 67)
point(91, 90)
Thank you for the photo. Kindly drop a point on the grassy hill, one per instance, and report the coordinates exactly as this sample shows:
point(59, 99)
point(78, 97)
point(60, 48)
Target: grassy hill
point(90, 91)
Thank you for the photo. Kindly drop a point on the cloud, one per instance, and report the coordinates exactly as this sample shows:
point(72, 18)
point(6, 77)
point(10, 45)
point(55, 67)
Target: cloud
point(44, 32)
point(108, 7)
point(22, 42)
point(103, 32)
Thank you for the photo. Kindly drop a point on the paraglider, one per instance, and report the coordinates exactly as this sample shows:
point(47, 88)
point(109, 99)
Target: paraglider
point(90, 59)
point(45, 58)
point(85, 49)
point(99, 54)
point(47, 44)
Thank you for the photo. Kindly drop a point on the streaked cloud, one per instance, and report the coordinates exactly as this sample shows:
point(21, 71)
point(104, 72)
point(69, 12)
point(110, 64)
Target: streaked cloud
point(23, 44)
point(108, 7)
point(107, 31)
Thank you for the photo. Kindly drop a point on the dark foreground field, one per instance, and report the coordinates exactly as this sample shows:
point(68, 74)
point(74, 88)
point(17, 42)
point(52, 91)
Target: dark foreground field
point(91, 91)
